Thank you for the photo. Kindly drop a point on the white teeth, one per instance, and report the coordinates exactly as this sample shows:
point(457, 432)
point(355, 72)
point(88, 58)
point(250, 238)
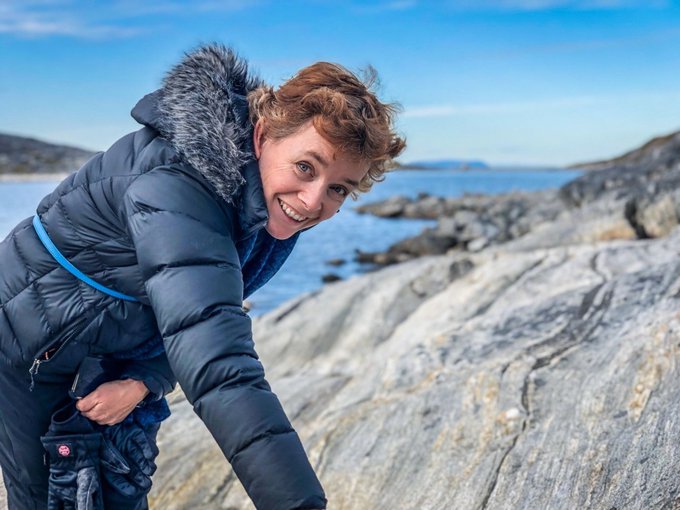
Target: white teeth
point(290, 213)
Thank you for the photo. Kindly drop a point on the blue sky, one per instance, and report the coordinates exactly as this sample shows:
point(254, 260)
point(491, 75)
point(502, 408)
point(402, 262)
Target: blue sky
point(536, 82)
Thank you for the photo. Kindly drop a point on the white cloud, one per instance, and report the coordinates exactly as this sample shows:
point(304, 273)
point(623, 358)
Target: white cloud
point(44, 18)
point(637, 40)
point(447, 110)
point(380, 7)
point(400, 5)
point(41, 28)
point(527, 107)
point(224, 5)
point(135, 8)
point(541, 5)
point(110, 20)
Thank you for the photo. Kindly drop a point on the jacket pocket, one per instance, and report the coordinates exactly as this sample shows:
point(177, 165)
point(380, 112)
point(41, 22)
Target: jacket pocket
point(61, 357)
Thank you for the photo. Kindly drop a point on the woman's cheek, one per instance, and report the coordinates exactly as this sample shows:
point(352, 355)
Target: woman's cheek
point(330, 215)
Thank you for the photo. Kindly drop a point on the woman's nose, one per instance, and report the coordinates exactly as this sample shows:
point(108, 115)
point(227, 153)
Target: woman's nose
point(312, 198)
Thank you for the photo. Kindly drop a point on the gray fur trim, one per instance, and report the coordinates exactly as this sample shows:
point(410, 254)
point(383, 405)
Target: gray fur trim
point(204, 114)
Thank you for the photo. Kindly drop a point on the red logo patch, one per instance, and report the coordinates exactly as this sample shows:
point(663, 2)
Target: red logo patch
point(64, 450)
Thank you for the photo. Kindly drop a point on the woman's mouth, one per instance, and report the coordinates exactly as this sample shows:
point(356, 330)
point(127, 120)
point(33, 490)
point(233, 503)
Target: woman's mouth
point(290, 212)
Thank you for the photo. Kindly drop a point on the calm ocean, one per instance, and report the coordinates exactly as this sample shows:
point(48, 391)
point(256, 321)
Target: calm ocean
point(342, 235)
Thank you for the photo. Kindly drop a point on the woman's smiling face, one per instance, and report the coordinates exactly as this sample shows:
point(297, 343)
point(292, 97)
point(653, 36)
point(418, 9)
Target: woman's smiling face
point(304, 178)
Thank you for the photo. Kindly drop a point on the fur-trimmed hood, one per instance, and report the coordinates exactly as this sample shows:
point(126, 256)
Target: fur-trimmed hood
point(202, 110)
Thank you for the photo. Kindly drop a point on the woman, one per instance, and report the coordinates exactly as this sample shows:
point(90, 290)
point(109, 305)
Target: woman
point(177, 223)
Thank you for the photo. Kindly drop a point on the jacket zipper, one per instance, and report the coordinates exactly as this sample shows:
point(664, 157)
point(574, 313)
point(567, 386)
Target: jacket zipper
point(34, 371)
point(75, 382)
point(46, 356)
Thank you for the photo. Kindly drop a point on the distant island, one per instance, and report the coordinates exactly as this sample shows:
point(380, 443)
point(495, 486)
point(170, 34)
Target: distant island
point(445, 164)
point(21, 156)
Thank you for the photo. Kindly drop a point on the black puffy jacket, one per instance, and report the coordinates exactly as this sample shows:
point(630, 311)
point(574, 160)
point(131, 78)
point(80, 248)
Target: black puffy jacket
point(172, 214)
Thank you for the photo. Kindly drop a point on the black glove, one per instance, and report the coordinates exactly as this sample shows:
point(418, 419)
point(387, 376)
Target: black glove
point(127, 454)
point(73, 446)
point(74, 471)
point(93, 467)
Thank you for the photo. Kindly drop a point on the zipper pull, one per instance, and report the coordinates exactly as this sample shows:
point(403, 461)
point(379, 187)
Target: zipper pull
point(34, 371)
point(75, 383)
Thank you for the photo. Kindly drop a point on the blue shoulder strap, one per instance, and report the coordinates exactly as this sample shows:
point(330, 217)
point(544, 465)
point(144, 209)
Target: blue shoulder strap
point(63, 262)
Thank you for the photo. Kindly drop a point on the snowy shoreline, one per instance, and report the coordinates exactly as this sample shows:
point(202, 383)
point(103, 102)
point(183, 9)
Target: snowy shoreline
point(56, 177)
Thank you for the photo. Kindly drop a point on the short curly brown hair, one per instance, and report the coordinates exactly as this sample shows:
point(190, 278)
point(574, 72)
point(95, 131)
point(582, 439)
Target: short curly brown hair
point(342, 108)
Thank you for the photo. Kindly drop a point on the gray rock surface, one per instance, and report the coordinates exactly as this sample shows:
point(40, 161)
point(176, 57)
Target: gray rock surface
point(529, 379)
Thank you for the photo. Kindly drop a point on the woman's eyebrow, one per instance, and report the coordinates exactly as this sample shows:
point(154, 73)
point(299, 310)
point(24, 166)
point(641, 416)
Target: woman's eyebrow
point(317, 156)
point(324, 162)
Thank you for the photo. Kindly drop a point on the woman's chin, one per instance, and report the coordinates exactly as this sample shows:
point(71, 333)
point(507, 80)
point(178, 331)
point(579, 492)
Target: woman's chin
point(279, 233)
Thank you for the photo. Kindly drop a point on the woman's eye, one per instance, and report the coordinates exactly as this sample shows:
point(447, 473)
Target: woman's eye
point(340, 190)
point(304, 167)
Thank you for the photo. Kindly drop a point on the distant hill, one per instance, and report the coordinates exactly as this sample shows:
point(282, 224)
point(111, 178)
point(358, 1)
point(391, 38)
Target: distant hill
point(445, 164)
point(20, 155)
point(654, 150)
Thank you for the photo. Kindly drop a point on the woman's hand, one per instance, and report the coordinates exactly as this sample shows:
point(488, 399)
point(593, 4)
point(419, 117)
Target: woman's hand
point(111, 402)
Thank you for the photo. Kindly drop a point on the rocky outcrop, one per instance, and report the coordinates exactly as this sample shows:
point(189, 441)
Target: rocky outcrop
point(636, 195)
point(650, 152)
point(27, 156)
point(468, 223)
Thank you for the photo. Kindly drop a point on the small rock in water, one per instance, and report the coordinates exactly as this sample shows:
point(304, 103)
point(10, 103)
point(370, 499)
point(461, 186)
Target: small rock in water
point(336, 262)
point(330, 278)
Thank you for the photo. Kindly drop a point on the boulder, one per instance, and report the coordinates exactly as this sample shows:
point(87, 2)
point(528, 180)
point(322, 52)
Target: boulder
point(390, 208)
point(653, 216)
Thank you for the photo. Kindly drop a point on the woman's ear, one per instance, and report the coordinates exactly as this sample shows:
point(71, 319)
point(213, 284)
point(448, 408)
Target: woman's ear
point(258, 137)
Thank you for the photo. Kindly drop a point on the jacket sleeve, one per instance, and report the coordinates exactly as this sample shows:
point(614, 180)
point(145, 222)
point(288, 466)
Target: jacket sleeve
point(186, 251)
point(155, 373)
